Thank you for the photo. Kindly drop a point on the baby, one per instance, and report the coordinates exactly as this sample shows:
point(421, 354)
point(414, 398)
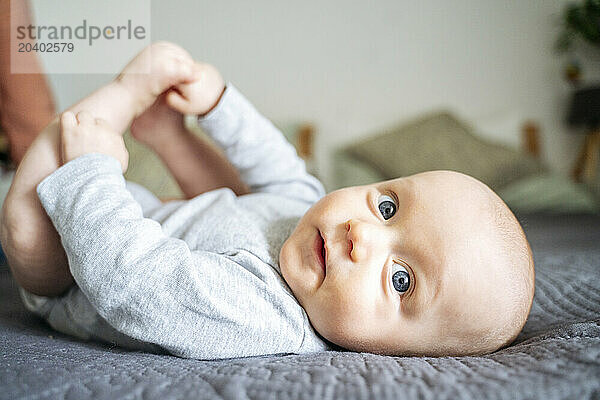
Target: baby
point(258, 260)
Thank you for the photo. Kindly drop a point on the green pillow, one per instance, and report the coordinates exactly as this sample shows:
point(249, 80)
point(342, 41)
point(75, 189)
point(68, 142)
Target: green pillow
point(348, 171)
point(549, 193)
point(440, 141)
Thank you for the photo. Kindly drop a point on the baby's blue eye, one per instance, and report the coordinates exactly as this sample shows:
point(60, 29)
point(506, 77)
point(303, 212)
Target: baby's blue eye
point(400, 278)
point(387, 207)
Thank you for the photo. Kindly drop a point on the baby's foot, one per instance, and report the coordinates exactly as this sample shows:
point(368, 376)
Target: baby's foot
point(154, 70)
point(157, 124)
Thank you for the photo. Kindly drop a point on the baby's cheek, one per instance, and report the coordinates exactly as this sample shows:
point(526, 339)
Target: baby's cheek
point(342, 317)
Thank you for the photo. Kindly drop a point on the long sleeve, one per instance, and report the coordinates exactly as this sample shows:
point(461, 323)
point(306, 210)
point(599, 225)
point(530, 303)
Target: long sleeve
point(267, 162)
point(147, 285)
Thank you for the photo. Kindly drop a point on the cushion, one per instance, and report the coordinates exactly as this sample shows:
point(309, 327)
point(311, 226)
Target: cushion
point(549, 193)
point(349, 171)
point(441, 141)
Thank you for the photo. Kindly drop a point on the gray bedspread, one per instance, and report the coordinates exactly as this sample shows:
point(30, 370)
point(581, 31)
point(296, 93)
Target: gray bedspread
point(556, 356)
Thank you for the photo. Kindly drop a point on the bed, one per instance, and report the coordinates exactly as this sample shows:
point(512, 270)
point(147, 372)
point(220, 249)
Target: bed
point(556, 356)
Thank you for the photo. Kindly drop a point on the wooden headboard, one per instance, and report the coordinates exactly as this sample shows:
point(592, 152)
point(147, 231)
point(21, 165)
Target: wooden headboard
point(530, 138)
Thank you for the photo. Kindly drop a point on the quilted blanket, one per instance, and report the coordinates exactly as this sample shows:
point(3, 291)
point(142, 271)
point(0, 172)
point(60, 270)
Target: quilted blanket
point(556, 356)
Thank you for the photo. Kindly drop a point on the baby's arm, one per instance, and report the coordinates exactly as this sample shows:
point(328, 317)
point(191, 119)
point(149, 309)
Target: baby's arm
point(266, 161)
point(196, 164)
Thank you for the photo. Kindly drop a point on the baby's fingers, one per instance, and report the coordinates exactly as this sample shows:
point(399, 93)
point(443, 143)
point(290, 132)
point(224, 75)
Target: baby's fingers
point(176, 101)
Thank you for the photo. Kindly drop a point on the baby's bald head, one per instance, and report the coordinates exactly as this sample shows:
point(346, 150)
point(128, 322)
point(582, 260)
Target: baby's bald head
point(494, 263)
point(488, 265)
point(515, 254)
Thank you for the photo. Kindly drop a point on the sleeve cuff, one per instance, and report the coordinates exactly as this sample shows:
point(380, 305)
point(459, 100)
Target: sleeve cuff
point(218, 109)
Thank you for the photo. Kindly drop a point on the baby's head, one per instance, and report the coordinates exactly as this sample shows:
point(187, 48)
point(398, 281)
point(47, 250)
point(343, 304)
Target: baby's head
point(430, 264)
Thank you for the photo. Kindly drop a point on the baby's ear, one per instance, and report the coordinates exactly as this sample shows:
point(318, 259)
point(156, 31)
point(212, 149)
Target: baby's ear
point(176, 101)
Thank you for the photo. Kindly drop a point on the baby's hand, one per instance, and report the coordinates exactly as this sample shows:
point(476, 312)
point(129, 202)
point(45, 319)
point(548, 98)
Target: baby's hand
point(201, 94)
point(85, 134)
point(154, 70)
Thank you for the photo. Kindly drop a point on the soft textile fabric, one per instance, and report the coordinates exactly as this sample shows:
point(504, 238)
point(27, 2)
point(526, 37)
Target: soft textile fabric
point(197, 278)
point(441, 141)
point(550, 193)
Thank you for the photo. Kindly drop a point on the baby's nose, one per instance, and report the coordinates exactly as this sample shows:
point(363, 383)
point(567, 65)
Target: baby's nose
point(360, 238)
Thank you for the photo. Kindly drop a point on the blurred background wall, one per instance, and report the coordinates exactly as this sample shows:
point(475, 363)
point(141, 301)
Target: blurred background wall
point(355, 67)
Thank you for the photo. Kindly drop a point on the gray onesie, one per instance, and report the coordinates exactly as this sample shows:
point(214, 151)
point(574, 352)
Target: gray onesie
point(198, 278)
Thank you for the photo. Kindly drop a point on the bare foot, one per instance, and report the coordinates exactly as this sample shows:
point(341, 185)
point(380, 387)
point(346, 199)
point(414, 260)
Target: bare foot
point(154, 70)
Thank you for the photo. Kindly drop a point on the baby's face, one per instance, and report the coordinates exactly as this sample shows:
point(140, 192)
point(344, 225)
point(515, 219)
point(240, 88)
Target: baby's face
point(398, 267)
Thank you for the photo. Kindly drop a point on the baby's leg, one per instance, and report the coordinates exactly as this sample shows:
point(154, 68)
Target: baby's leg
point(29, 240)
point(197, 165)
